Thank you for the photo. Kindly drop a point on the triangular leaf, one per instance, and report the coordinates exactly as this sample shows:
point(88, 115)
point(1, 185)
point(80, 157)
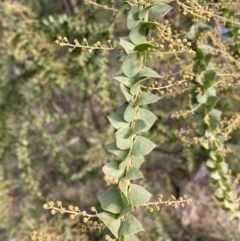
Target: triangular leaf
point(146, 98)
point(142, 146)
point(198, 79)
point(215, 176)
point(111, 200)
point(126, 92)
point(212, 154)
point(201, 99)
point(144, 11)
point(212, 100)
point(233, 196)
point(122, 78)
point(126, 210)
point(133, 174)
point(138, 126)
point(199, 112)
point(159, 11)
point(125, 201)
point(144, 47)
point(220, 137)
point(215, 114)
point(130, 112)
point(116, 151)
point(137, 161)
point(209, 77)
point(124, 163)
point(139, 33)
point(134, 88)
point(226, 204)
point(205, 144)
point(123, 185)
point(117, 121)
point(123, 139)
point(112, 169)
point(138, 195)
point(224, 167)
point(131, 65)
point(207, 59)
point(219, 194)
point(133, 18)
point(126, 43)
point(219, 157)
point(121, 109)
point(213, 124)
point(210, 164)
point(201, 130)
point(130, 225)
point(148, 117)
point(148, 72)
point(111, 221)
point(211, 92)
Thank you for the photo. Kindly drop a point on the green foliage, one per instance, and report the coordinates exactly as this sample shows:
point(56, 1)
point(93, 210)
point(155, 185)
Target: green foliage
point(214, 140)
point(54, 127)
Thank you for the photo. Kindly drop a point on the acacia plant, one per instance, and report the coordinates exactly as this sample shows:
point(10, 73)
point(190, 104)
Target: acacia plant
point(207, 63)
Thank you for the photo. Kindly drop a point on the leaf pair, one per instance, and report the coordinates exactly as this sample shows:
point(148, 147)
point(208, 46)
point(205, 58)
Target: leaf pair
point(123, 230)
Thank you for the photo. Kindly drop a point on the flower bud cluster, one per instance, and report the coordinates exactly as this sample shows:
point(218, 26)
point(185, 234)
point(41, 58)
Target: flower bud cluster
point(41, 236)
point(90, 226)
point(171, 202)
point(197, 11)
point(172, 86)
point(110, 180)
point(63, 41)
point(169, 43)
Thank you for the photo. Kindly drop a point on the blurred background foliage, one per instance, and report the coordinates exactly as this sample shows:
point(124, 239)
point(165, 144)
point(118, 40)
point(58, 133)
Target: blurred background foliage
point(53, 129)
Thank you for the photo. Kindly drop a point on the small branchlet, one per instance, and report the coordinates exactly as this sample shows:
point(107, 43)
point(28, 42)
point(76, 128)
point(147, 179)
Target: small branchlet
point(172, 85)
point(171, 202)
point(74, 211)
point(185, 113)
point(105, 7)
point(227, 126)
point(63, 41)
